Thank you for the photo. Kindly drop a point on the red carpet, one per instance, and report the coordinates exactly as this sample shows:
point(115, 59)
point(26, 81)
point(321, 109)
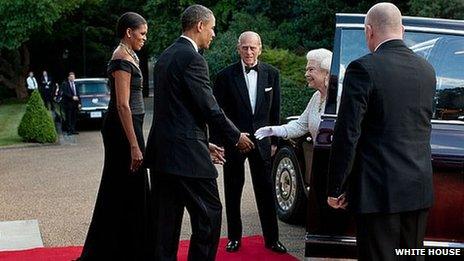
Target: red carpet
point(252, 249)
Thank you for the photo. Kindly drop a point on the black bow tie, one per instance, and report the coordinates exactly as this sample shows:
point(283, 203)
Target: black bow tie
point(248, 68)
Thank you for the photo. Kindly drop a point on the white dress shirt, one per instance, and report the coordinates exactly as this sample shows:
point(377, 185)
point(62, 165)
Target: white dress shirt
point(31, 83)
point(190, 40)
point(251, 79)
point(46, 82)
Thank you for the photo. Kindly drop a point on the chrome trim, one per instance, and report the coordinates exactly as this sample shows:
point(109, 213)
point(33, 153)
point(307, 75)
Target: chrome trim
point(443, 244)
point(328, 116)
point(432, 19)
point(94, 108)
point(433, 30)
point(351, 241)
point(349, 25)
point(408, 29)
point(91, 79)
point(350, 14)
point(448, 122)
point(289, 118)
point(407, 17)
point(453, 122)
point(330, 240)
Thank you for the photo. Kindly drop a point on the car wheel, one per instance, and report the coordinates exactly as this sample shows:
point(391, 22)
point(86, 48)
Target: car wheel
point(289, 191)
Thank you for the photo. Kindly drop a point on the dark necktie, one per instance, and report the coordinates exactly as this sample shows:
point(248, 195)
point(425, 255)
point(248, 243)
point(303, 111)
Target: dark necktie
point(73, 88)
point(249, 68)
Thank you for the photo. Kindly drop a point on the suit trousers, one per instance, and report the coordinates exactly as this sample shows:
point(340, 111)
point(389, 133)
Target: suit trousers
point(378, 234)
point(200, 196)
point(234, 179)
point(70, 111)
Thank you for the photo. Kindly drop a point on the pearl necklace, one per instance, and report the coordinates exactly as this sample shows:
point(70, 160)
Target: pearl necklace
point(130, 52)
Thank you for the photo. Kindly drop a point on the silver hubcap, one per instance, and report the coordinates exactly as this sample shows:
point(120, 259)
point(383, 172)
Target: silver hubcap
point(285, 184)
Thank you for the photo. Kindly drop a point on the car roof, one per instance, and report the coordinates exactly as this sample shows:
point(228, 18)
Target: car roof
point(411, 23)
point(91, 80)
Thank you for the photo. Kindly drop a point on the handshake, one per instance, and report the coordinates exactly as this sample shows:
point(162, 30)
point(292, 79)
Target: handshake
point(244, 145)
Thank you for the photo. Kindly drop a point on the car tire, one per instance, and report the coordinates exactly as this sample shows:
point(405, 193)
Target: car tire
point(289, 193)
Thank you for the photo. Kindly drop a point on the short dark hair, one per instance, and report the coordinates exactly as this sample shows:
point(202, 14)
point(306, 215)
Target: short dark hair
point(194, 14)
point(129, 20)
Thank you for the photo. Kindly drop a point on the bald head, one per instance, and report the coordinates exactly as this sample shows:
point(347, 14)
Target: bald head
point(383, 21)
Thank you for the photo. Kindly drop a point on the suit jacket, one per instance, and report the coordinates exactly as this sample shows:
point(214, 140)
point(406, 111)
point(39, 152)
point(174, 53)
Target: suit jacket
point(67, 95)
point(183, 106)
point(231, 91)
point(381, 151)
point(43, 83)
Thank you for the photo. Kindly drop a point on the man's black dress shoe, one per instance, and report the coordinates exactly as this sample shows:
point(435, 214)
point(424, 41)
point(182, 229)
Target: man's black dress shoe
point(276, 247)
point(232, 246)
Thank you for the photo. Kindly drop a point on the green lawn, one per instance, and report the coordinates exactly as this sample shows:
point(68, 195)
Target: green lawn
point(10, 116)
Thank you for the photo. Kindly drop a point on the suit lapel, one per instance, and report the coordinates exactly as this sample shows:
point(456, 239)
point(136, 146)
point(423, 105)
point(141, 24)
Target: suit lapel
point(241, 85)
point(260, 86)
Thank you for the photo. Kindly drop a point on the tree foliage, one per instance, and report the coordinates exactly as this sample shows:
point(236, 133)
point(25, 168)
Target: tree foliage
point(450, 9)
point(20, 19)
point(73, 29)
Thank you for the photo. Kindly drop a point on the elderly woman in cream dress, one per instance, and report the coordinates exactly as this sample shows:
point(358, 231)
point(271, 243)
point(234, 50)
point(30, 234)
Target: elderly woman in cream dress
point(317, 75)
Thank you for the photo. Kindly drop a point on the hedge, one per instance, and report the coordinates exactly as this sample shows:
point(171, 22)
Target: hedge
point(295, 93)
point(37, 124)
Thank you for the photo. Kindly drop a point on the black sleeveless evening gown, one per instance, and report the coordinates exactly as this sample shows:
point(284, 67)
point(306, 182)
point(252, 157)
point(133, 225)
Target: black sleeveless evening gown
point(120, 224)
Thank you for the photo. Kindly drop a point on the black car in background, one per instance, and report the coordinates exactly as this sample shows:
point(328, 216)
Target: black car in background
point(301, 165)
point(94, 95)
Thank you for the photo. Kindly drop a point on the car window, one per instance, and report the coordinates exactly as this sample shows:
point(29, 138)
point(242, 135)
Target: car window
point(89, 88)
point(444, 52)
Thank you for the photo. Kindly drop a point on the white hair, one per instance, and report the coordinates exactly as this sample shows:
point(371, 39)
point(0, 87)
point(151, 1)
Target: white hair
point(325, 64)
point(321, 56)
point(248, 34)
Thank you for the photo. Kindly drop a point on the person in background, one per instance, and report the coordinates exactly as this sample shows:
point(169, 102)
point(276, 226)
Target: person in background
point(71, 102)
point(120, 224)
point(317, 75)
point(46, 88)
point(249, 93)
point(31, 83)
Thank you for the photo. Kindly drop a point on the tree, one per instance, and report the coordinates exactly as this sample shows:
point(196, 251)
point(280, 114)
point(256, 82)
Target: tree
point(37, 123)
point(450, 9)
point(18, 21)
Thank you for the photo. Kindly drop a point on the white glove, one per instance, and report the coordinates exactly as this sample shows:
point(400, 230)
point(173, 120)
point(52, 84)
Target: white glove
point(268, 131)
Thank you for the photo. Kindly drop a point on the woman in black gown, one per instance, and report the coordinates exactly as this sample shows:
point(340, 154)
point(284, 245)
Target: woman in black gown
point(119, 228)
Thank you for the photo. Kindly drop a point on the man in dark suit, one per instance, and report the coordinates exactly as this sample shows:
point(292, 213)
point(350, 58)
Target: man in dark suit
point(177, 149)
point(70, 100)
point(381, 155)
point(249, 93)
point(46, 88)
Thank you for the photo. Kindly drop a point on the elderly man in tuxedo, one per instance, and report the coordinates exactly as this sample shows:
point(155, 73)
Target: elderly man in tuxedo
point(177, 149)
point(380, 161)
point(249, 93)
